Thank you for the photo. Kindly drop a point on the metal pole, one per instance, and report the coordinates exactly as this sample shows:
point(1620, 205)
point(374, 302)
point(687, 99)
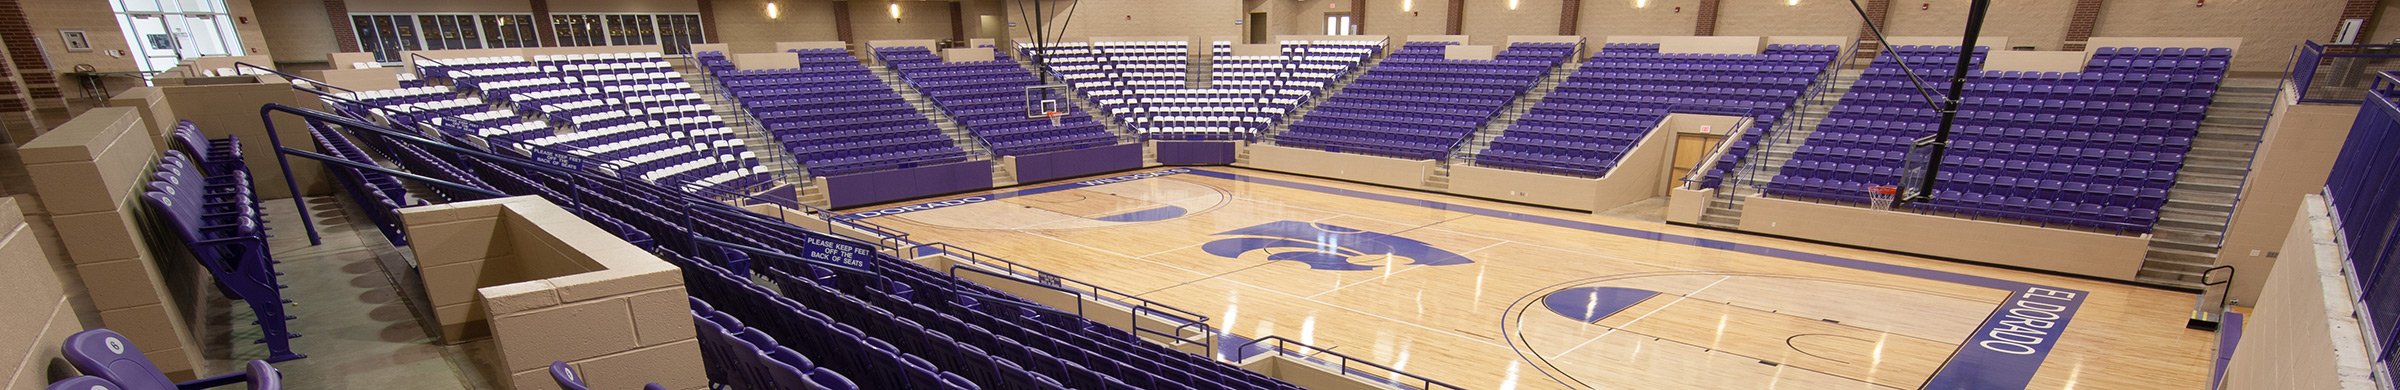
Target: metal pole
point(1958, 85)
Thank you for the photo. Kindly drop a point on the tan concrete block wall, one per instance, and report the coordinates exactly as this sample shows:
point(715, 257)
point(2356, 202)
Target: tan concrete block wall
point(2303, 335)
point(1305, 17)
point(2083, 253)
point(1384, 17)
point(1770, 18)
point(232, 109)
point(744, 25)
point(872, 20)
point(87, 172)
point(298, 29)
point(99, 26)
point(2038, 23)
point(1107, 18)
point(2269, 28)
point(551, 287)
point(38, 297)
point(2293, 160)
point(1602, 18)
point(253, 38)
point(1490, 22)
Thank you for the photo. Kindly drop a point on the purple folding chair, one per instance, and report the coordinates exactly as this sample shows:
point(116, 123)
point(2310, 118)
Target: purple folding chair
point(108, 355)
point(83, 383)
point(566, 377)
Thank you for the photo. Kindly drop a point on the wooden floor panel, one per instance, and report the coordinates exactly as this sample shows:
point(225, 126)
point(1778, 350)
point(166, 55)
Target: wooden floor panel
point(1482, 324)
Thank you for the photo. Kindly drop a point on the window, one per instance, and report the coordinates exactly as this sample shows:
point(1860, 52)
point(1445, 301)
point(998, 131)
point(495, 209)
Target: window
point(390, 35)
point(163, 33)
point(673, 33)
point(1339, 24)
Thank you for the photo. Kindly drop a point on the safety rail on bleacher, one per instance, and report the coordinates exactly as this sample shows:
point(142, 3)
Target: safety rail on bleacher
point(1342, 362)
point(1082, 290)
point(1697, 177)
point(2323, 73)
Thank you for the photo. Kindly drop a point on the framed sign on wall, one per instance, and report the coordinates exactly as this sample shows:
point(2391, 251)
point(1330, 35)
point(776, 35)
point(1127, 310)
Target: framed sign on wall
point(74, 40)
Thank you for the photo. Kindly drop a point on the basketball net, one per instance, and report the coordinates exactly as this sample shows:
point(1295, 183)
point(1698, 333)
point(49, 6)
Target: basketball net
point(1054, 117)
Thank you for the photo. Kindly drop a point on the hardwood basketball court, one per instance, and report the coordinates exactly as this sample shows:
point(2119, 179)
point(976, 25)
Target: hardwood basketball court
point(1490, 295)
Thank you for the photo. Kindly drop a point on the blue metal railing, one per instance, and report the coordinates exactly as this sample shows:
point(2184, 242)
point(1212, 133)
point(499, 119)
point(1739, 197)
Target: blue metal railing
point(1342, 363)
point(2324, 73)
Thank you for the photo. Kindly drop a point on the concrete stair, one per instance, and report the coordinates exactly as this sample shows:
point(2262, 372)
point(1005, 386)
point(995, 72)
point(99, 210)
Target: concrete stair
point(1311, 105)
point(2191, 226)
point(959, 135)
point(1483, 136)
point(1763, 164)
point(755, 137)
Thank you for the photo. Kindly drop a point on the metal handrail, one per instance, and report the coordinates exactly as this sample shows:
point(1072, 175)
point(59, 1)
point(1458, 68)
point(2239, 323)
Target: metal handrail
point(1343, 363)
point(1134, 302)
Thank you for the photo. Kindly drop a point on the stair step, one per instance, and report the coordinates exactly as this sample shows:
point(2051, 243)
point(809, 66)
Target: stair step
point(2181, 256)
point(2170, 279)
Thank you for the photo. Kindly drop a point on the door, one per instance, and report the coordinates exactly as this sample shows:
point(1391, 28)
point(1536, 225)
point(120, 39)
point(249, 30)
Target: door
point(1258, 28)
point(1689, 150)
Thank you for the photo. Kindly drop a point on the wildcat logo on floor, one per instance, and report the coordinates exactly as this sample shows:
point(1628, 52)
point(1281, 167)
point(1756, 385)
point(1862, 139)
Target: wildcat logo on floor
point(1327, 247)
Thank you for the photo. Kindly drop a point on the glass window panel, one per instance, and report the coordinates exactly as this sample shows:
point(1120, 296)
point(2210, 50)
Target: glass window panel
point(138, 6)
point(203, 34)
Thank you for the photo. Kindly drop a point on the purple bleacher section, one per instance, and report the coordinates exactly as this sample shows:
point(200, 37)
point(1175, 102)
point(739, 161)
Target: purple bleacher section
point(1417, 105)
point(834, 115)
point(632, 111)
point(988, 98)
point(1588, 123)
point(2092, 149)
point(890, 324)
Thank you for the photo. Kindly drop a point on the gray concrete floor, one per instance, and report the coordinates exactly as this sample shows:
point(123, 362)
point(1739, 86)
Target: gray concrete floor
point(362, 313)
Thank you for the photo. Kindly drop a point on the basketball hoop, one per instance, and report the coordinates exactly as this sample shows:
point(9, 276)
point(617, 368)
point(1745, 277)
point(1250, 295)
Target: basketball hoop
point(1054, 117)
point(1880, 197)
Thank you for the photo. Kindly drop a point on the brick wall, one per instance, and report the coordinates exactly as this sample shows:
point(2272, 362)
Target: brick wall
point(541, 17)
point(1569, 12)
point(27, 58)
point(1777, 17)
point(344, 34)
point(2080, 24)
point(1707, 24)
point(1877, 12)
point(1456, 18)
point(708, 20)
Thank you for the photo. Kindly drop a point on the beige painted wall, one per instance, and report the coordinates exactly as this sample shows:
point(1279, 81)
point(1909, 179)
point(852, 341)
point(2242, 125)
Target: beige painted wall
point(1384, 17)
point(2038, 23)
point(1353, 167)
point(1103, 18)
point(1307, 17)
point(1619, 17)
point(1811, 17)
point(1490, 22)
point(2269, 28)
point(871, 20)
point(2081, 253)
point(99, 26)
point(2303, 335)
point(743, 24)
point(299, 30)
point(2293, 160)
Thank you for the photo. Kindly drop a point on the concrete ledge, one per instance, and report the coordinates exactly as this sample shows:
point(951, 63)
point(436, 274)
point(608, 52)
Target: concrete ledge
point(1388, 171)
point(2060, 250)
point(2305, 333)
point(547, 286)
point(89, 172)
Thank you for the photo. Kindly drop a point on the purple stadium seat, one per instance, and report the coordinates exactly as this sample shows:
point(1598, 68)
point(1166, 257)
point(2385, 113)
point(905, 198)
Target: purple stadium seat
point(105, 354)
point(565, 376)
point(83, 383)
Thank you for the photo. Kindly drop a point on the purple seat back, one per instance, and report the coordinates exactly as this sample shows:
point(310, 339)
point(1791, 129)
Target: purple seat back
point(83, 383)
point(566, 376)
point(108, 355)
point(264, 377)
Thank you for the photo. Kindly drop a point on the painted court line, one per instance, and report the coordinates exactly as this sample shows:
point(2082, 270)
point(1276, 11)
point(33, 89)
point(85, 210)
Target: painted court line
point(2004, 353)
point(1613, 329)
